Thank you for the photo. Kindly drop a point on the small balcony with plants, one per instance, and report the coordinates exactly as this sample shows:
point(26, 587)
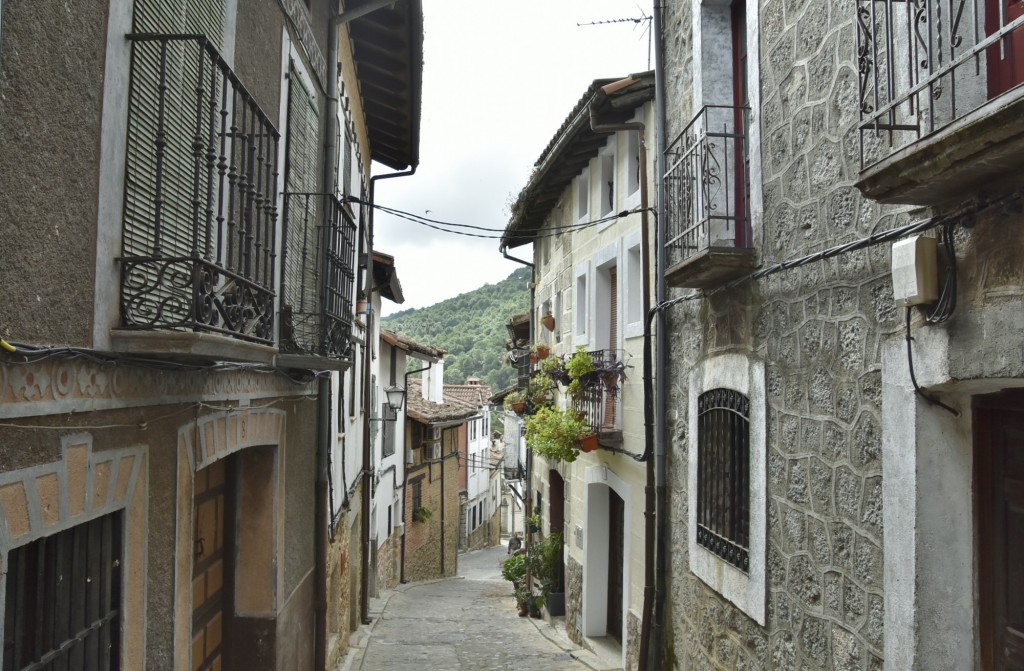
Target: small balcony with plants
point(707, 203)
point(940, 97)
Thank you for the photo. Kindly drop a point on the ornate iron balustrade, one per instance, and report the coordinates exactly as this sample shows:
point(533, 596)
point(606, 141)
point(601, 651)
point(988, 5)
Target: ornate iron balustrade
point(198, 243)
point(599, 400)
point(922, 63)
point(318, 276)
point(707, 199)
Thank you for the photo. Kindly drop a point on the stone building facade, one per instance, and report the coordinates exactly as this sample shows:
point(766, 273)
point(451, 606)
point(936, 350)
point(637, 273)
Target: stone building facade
point(863, 490)
point(160, 439)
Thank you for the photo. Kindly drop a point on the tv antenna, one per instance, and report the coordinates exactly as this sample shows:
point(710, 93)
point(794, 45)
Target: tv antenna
point(644, 19)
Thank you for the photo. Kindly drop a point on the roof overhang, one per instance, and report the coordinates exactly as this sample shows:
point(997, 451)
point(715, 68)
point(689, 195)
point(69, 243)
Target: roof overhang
point(387, 46)
point(417, 350)
point(570, 150)
point(385, 278)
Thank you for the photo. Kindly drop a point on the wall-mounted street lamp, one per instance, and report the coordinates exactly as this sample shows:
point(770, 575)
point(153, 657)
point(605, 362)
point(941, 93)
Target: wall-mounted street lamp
point(396, 397)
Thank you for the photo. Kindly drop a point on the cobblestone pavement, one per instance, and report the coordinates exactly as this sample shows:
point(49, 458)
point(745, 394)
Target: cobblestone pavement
point(467, 623)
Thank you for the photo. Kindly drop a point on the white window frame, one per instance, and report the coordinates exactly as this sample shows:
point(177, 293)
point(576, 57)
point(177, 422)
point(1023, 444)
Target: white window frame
point(581, 305)
point(607, 257)
point(632, 177)
point(608, 182)
point(745, 590)
point(583, 196)
point(633, 278)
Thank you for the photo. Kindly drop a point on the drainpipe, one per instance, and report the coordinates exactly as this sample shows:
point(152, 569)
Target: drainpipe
point(321, 515)
point(364, 576)
point(405, 478)
point(661, 351)
point(649, 489)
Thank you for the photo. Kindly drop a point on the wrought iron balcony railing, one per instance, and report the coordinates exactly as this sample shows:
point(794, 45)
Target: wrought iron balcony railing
point(706, 184)
point(318, 276)
point(926, 64)
point(599, 399)
point(200, 213)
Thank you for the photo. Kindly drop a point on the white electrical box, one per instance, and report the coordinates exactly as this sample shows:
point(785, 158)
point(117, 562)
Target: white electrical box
point(915, 275)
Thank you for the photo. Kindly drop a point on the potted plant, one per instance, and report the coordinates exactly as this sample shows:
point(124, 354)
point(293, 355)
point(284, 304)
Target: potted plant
point(513, 569)
point(549, 321)
point(540, 391)
point(515, 401)
point(579, 367)
point(555, 434)
point(543, 350)
point(422, 514)
point(589, 443)
point(533, 523)
point(547, 568)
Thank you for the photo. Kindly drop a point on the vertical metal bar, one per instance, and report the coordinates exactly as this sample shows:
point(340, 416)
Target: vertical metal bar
point(211, 157)
point(197, 151)
point(258, 204)
point(245, 233)
point(222, 166)
point(161, 149)
point(233, 182)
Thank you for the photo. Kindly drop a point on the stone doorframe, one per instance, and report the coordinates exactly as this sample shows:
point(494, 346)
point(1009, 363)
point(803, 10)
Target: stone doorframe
point(200, 443)
point(84, 485)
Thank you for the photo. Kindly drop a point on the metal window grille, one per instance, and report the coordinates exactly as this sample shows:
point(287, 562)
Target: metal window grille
point(707, 200)
point(926, 64)
point(723, 475)
point(417, 494)
point(200, 215)
point(63, 600)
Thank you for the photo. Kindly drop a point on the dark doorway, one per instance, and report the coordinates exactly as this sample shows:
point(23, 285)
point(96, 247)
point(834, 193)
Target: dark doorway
point(999, 505)
point(616, 539)
point(1005, 58)
point(556, 496)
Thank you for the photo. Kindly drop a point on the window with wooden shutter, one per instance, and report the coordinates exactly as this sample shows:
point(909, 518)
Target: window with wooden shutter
point(200, 205)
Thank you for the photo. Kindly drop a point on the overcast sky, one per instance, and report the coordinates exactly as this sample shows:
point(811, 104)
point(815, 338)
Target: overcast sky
point(499, 78)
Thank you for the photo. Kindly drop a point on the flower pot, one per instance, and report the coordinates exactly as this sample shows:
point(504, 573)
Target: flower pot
point(543, 352)
point(588, 443)
point(534, 357)
point(549, 321)
point(555, 604)
point(523, 610)
point(518, 407)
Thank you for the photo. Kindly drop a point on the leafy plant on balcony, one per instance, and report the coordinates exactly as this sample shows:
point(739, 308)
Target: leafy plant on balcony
point(586, 372)
point(515, 401)
point(422, 514)
point(555, 434)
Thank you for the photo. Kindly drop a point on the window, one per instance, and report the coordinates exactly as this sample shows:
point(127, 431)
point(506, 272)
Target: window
point(607, 165)
point(632, 163)
point(583, 195)
point(581, 305)
point(727, 485)
point(390, 427)
point(634, 308)
point(723, 459)
point(417, 493)
point(63, 600)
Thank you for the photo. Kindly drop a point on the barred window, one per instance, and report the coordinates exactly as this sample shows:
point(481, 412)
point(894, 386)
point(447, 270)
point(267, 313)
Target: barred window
point(63, 600)
point(723, 475)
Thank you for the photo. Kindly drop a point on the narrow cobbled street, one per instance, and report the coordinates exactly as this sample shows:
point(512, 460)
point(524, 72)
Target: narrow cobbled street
point(468, 623)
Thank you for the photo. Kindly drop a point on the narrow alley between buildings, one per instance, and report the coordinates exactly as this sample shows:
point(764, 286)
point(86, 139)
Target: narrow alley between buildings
point(467, 623)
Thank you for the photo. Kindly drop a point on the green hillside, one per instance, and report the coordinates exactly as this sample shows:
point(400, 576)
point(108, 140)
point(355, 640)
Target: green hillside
point(471, 327)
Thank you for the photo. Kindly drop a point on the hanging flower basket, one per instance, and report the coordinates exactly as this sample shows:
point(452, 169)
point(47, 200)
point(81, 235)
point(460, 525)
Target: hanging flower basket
point(543, 351)
point(518, 407)
point(588, 443)
point(549, 321)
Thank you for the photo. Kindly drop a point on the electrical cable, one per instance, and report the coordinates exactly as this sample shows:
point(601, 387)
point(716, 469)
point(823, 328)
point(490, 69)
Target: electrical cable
point(913, 378)
point(946, 304)
point(491, 233)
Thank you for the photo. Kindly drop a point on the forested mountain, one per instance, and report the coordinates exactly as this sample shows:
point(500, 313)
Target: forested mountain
point(471, 327)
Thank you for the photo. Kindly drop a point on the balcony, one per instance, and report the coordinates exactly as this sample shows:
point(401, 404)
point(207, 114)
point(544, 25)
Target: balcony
point(318, 280)
point(200, 211)
point(598, 400)
point(708, 239)
point(940, 101)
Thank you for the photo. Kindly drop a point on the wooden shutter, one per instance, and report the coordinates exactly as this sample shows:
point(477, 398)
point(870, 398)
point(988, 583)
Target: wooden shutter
point(173, 236)
point(300, 272)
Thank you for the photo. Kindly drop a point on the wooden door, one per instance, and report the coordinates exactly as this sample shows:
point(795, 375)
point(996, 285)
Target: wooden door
point(616, 540)
point(1005, 59)
point(212, 577)
point(999, 504)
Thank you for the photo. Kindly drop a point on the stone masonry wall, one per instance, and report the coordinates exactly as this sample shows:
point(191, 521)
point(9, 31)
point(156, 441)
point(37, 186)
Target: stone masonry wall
point(819, 330)
point(574, 601)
